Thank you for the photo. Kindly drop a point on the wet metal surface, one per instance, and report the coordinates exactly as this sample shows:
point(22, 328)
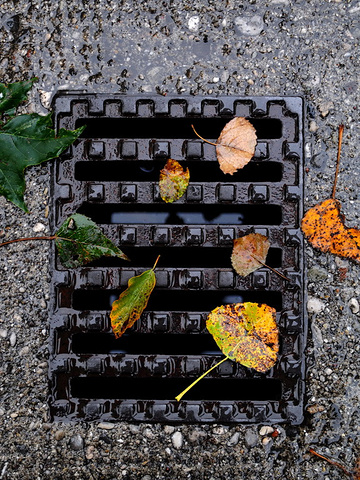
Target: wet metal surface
point(111, 175)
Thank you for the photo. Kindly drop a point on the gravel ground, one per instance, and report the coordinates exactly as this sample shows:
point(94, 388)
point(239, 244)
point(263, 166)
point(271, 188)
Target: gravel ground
point(267, 47)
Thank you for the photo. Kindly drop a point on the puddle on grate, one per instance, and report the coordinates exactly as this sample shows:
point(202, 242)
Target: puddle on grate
point(111, 175)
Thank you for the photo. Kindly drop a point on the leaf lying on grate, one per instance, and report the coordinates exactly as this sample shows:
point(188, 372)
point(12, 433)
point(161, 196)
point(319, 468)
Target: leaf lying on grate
point(249, 253)
point(126, 310)
point(246, 333)
point(26, 140)
point(79, 240)
point(174, 181)
point(323, 225)
point(236, 144)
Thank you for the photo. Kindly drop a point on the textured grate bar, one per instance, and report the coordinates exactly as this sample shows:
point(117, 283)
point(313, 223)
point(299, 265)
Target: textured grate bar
point(111, 174)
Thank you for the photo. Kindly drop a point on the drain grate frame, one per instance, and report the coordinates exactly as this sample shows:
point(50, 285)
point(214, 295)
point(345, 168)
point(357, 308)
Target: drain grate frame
point(111, 175)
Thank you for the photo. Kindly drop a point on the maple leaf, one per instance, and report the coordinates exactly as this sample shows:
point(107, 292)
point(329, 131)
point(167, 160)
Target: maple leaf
point(13, 94)
point(249, 253)
point(323, 225)
point(126, 310)
point(79, 240)
point(174, 181)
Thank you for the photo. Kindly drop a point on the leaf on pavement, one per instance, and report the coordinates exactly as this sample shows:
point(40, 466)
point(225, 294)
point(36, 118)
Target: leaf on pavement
point(126, 310)
point(323, 225)
point(174, 181)
point(249, 253)
point(236, 145)
point(246, 333)
point(24, 141)
point(79, 240)
point(13, 94)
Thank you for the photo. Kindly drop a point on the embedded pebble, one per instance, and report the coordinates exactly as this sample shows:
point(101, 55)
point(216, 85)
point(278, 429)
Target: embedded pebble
point(3, 333)
point(354, 305)
point(59, 435)
point(328, 371)
point(251, 438)
point(325, 108)
point(266, 430)
point(196, 435)
point(106, 425)
point(149, 433)
point(247, 25)
point(234, 440)
point(146, 477)
point(2, 411)
point(313, 127)
point(177, 439)
point(317, 336)
point(265, 441)
point(219, 430)
point(13, 339)
point(193, 23)
point(90, 452)
point(134, 429)
point(169, 429)
point(315, 305)
point(38, 227)
point(76, 442)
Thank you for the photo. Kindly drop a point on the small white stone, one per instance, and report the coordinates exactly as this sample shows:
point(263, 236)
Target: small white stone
point(13, 339)
point(169, 429)
point(177, 439)
point(354, 305)
point(38, 227)
point(234, 440)
point(265, 441)
point(2, 411)
point(328, 371)
point(193, 23)
point(3, 333)
point(249, 25)
point(313, 127)
point(266, 430)
point(216, 79)
point(106, 425)
point(315, 305)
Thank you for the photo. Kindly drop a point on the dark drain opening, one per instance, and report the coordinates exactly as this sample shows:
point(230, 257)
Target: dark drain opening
point(149, 388)
point(183, 214)
point(165, 127)
point(184, 257)
point(145, 344)
point(201, 171)
point(177, 300)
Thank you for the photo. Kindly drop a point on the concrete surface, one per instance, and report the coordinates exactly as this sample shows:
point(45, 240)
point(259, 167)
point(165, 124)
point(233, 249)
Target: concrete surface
point(250, 47)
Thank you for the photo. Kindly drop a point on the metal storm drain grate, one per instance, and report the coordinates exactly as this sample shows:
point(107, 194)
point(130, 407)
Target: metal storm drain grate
point(111, 175)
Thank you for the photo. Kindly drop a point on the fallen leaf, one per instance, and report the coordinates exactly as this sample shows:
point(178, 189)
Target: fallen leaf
point(79, 240)
point(13, 94)
point(126, 310)
point(249, 253)
point(236, 145)
point(174, 181)
point(24, 141)
point(323, 225)
point(246, 333)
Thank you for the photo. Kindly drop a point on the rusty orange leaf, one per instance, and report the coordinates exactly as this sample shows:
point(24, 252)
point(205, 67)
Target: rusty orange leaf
point(246, 333)
point(126, 310)
point(174, 181)
point(323, 225)
point(236, 145)
point(249, 253)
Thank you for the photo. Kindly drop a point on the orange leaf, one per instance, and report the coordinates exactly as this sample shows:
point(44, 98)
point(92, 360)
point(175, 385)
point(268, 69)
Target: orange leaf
point(236, 145)
point(323, 225)
point(247, 333)
point(174, 181)
point(249, 253)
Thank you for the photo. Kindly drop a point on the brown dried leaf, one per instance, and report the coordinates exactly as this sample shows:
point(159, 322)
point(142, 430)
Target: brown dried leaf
point(236, 145)
point(249, 253)
point(323, 225)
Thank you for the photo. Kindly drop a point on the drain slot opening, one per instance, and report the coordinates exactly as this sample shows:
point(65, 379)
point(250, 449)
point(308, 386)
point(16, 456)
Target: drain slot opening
point(148, 388)
point(177, 300)
point(201, 171)
point(165, 127)
point(183, 214)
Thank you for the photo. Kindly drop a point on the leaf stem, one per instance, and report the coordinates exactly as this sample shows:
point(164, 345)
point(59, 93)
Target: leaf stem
point(25, 239)
point(341, 131)
point(332, 462)
point(179, 397)
point(206, 141)
point(156, 261)
point(270, 268)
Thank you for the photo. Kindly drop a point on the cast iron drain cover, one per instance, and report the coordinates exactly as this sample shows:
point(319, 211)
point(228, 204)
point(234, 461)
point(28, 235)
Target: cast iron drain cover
point(111, 175)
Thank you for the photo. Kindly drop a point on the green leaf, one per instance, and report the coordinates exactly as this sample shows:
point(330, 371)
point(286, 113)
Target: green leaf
point(79, 241)
point(174, 181)
point(126, 310)
point(24, 141)
point(13, 94)
point(247, 333)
